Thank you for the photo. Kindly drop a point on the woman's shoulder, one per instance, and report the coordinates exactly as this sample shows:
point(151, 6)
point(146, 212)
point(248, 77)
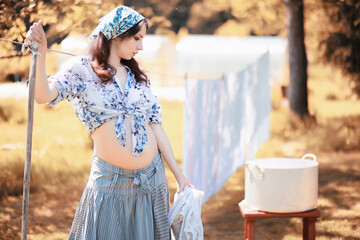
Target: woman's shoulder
point(78, 64)
point(77, 61)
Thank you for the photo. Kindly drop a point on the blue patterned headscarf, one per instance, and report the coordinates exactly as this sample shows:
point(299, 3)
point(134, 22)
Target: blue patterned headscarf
point(117, 22)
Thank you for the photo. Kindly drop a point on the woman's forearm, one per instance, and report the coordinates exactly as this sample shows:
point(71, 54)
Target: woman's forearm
point(165, 149)
point(43, 92)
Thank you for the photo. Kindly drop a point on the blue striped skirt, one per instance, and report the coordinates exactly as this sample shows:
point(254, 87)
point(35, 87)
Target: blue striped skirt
point(123, 204)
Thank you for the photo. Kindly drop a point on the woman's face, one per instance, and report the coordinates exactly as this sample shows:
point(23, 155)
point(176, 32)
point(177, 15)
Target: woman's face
point(127, 48)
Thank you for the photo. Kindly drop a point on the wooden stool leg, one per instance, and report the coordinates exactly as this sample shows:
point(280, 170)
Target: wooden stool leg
point(309, 228)
point(251, 229)
point(246, 229)
point(305, 229)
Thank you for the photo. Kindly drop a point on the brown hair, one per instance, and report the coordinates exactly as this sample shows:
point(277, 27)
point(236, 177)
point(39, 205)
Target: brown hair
point(100, 52)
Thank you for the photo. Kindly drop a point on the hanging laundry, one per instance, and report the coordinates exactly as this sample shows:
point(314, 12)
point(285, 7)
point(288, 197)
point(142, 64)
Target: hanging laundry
point(224, 118)
point(258, 104)
point(200, 132)
point(213, 144)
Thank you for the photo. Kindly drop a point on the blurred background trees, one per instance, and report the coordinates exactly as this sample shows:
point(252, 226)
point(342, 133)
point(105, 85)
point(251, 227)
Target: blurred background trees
point(332, 27)
point(297, 90)
point(60, 18)
point(342, 38)
point(222, 17)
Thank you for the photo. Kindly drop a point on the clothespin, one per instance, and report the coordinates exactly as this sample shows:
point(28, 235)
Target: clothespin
point(31, 46)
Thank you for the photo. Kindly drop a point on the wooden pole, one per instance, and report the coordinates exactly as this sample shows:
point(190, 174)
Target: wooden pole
point(26, 188)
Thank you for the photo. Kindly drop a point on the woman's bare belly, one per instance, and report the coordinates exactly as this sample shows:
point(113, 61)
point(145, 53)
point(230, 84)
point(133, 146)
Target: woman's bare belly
point(108, 148)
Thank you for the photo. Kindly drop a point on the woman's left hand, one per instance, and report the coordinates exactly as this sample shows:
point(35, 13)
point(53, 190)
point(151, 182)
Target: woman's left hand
point(182, 182)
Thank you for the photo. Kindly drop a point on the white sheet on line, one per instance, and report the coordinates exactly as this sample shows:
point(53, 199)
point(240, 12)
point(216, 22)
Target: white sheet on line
point(258, 104)
point(223, 117)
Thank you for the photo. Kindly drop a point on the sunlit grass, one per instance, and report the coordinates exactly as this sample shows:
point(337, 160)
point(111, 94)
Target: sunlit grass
point(330, 93)
point(173, 114)
point(336, 118)
point(62, 148)
point(12, 111)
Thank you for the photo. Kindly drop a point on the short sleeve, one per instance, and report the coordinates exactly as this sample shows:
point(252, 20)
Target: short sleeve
point(68, 81)
point(153, 114)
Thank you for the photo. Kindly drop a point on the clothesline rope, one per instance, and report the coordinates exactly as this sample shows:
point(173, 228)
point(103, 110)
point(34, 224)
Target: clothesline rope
point(74, 55)
point(51, 50)
point(152, 72)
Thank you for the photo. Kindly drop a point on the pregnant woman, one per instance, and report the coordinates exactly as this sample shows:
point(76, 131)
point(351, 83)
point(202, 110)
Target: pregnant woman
point(127, 195)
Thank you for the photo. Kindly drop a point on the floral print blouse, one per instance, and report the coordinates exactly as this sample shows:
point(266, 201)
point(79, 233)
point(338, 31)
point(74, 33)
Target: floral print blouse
point(96, 103)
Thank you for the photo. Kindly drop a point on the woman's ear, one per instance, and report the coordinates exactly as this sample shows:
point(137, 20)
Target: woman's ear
point(115, 40)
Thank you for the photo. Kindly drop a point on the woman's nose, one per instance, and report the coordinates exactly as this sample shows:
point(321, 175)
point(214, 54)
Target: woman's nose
point(140, 45)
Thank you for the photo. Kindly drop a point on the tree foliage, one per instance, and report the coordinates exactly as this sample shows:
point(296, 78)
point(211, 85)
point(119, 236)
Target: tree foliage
point(342, 41)
point(222, 17)
point(229, 17)
point(59, 18)
point(62, 17)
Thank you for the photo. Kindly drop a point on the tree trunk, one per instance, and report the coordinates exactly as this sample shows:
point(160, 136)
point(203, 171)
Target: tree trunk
point(297, 90)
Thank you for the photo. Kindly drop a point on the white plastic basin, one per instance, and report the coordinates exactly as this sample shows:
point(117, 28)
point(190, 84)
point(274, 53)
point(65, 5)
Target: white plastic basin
point(282, 185)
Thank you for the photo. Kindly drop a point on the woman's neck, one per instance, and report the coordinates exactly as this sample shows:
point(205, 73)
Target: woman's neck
point(115, 61)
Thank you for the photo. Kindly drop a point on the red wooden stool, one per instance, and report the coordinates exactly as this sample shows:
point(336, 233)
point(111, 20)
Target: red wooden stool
point(250, 215)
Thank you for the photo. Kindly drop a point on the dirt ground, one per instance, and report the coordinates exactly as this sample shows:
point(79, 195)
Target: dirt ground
point(52, 208)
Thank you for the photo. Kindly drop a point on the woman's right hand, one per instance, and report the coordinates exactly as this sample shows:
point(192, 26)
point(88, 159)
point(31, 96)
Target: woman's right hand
point(183, 182)
point(43, 91)
point(36, 34)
